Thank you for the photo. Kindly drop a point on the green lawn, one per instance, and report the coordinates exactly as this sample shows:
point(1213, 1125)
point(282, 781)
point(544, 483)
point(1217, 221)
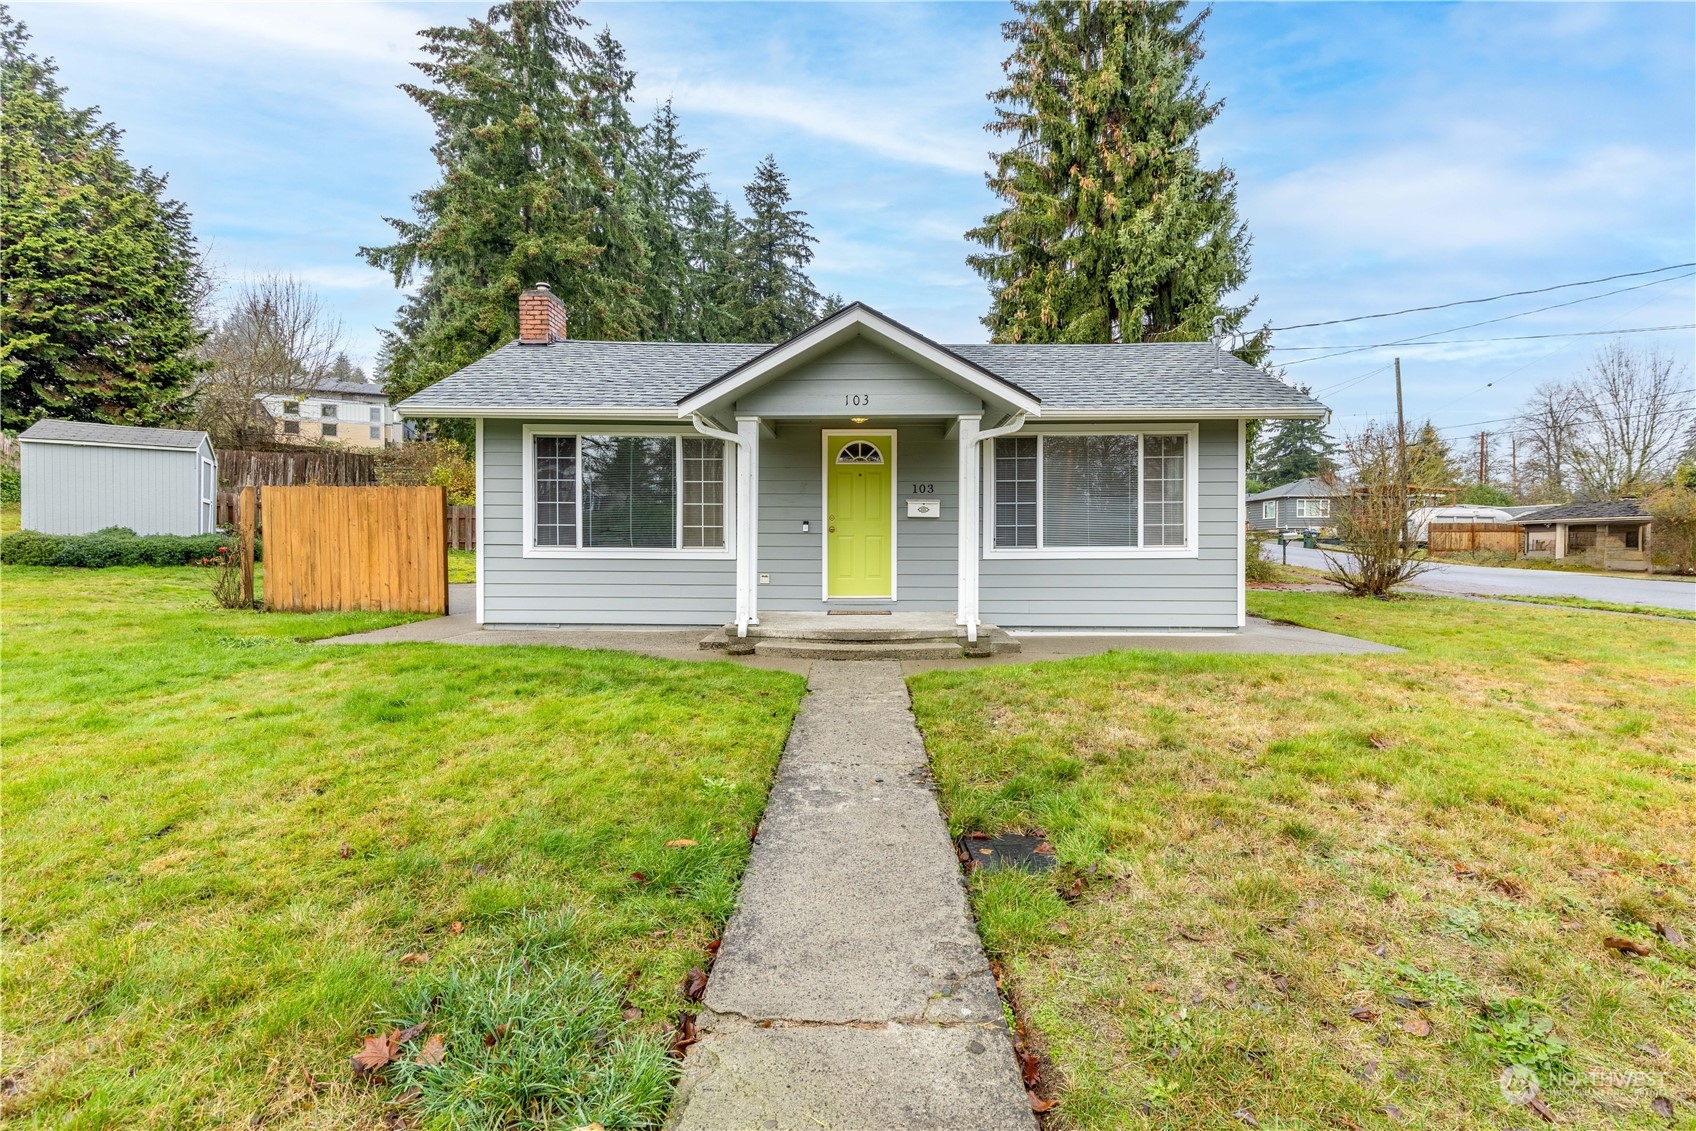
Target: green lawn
point(1603, 606)
point(1338, 891)
point(462, 566)
point(230, 855)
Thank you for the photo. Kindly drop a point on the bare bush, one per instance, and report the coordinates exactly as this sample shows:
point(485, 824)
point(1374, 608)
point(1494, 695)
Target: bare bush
point(431, 463)
point(1372, 520)
point(277, 339)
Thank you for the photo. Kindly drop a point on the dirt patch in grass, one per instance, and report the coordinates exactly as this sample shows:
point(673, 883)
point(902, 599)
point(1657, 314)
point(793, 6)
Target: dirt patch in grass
point(231, 855)
point(1346, 891)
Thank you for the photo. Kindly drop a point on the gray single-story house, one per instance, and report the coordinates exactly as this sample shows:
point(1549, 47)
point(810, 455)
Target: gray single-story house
point(80, 477)
point(857, 467)
point(1610, 535)
point(1302, 505)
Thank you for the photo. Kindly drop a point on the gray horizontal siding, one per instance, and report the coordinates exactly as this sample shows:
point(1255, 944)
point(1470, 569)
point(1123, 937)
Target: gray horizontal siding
point(792, 490)
point(520, 590)
point(1151, 593)
point(81, 488)
point(888, 385)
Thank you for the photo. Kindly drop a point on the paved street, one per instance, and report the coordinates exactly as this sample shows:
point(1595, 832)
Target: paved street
point(1489, 581)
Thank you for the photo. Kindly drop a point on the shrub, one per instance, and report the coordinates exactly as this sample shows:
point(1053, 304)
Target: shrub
point(11, 484)
point(431, 463)
point(1674, 530)
point(1256, 565)
point(114, 546)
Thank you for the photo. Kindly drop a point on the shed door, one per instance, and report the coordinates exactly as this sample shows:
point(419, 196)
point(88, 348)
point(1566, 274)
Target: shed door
point(208, 495)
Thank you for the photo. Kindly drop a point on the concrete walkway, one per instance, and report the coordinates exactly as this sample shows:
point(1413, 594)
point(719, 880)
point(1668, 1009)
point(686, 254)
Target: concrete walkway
point(851, 991)
point(1258, 637)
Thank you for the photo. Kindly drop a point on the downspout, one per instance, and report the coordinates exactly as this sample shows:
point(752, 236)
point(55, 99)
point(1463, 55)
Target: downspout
point(1016, 422)
point(742, 551)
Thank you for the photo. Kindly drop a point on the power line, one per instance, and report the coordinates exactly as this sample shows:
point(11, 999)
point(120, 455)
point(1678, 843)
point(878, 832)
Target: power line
point(1475, 301)
point(1418, 338)
point(1510, 338)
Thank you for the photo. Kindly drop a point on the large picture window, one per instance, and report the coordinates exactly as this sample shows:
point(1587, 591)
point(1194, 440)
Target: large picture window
point(655, 492)
point(1112, 491)
point(1313, 508)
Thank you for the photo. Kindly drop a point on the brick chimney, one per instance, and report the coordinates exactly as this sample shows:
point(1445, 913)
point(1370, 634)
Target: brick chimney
point(541, 317)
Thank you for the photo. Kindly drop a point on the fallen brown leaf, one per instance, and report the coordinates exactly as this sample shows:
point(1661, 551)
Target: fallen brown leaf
point(1281, 983)
point(1188, 935)
point(1038, 1104)
point(376, 1053)
point(1379, 742)
point(1661, 1106)
point(345, 851)
point(597, 1126)
point(1418, 1026)
point(632, 1014)
point(1670, 933)
point(685, 1035)
point(1030, 1068)
point(1361, 1013)
point(680, 842)
point(491, 1039)
point(712, 947)
point(639, 877)
point(694, 984)
point(410, 1033)
point(456, 928)
point(1044, 849)
point(435, 1050)
point(1244, 1115)
point(978, 836)
point(1543, 1111)
point(414, 958)
point(1073, 893)
point(1627, 946)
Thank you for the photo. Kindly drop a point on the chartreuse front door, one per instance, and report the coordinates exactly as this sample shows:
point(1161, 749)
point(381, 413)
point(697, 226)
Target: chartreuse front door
point(859, 518)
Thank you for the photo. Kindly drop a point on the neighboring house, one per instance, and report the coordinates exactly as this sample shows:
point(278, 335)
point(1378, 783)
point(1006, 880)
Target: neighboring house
point(858, 466)
point(1302, 505)
point(79, 478)
point(1608, 535)
point(355, 414)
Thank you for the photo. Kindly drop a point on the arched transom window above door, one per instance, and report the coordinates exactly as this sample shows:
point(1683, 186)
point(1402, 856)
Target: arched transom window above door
point(859, 451)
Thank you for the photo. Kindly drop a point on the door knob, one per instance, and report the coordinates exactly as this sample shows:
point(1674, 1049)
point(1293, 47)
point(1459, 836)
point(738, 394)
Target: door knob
point(832, 528)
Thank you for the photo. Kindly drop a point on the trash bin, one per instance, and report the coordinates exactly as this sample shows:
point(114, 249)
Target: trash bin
point(1310, 540)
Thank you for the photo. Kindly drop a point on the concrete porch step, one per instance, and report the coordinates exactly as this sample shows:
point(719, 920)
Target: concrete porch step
point(859, 649)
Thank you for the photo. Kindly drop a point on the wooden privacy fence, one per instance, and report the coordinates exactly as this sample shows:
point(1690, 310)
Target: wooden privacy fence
point(307, 467)
point(462, 528)
point(1474, 537)
point(356, 548)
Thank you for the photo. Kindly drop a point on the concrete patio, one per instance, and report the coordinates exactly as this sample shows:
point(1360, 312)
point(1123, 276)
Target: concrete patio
point(1258, 637)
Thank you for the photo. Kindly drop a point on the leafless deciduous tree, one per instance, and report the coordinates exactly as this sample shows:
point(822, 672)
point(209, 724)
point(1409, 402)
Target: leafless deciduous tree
point(277, 338)
point(1546, 429)
point(1372, 520)
point(1634, 407)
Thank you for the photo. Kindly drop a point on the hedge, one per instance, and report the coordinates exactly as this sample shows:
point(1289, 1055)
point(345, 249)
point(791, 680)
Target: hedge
point(114, 546)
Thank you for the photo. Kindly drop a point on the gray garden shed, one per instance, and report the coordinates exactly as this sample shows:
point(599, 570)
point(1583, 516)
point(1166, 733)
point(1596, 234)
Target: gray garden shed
point(79, 478)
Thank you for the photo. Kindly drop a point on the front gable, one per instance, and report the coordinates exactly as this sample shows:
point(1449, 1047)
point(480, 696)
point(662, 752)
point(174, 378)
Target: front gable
point(907, 367)
point(858, 378)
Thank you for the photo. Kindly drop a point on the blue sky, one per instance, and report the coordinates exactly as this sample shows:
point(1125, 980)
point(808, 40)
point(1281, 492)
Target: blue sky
point(1388, 156)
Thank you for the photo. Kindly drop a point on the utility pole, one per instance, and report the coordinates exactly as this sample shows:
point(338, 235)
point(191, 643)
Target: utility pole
point(1483, 458)
point(1513, 461)
point(1401, 451)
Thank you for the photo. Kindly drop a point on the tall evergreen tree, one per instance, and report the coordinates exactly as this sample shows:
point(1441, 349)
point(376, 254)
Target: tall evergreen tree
point(1289, 450)
point(99, 274)
point(1112, 230)
point(679, 222)
point(772, 295)
point(1430, 460)
point(524, 196)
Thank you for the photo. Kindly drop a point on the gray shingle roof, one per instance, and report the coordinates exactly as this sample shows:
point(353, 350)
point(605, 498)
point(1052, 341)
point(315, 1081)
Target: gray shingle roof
point(1178, 376)
point(350, 388)
point(117, 435)
point(1625, 508)
point(1302, 488)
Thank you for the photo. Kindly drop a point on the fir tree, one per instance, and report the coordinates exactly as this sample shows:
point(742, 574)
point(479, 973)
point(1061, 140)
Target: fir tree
point(524, 196)
point(1430, 460)
point(679, 225)
point(1290, 450)
point(99, 275)
point(772, 296)
point(1113, 230)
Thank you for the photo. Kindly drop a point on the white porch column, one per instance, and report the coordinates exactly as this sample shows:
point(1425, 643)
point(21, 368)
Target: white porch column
point(970, 508)
point(747, 522)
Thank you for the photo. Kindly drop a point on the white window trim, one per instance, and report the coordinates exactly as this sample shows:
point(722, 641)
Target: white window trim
point(1269, 510)
point(528, 477)
point(1192, 502)
point(892, 435)
point(1313, 508)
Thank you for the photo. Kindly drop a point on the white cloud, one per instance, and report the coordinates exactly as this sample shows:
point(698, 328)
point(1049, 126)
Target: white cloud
point(1474, 191)
point(849, 116)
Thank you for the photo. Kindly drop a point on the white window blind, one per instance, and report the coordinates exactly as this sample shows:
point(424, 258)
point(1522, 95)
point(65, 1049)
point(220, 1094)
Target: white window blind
point(1089, 490)
point(1107, 491)
point(629, 491)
